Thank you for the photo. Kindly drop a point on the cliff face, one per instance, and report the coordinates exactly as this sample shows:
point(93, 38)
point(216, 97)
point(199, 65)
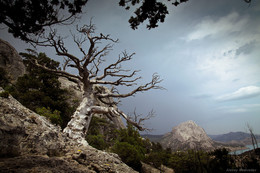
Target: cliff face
point(187, 135)
point(10, 61)
point(30, 143)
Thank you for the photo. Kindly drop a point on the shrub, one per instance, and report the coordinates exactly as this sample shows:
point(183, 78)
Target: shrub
point(39, 88)
point(54, 116)
point(4, 94)
point(97, 141)
point(129, 154)
point(221, 161)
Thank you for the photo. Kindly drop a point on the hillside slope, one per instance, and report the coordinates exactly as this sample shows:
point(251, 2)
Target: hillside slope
point(30, 143)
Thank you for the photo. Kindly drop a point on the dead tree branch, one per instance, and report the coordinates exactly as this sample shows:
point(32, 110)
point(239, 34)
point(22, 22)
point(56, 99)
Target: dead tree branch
point(90, 73)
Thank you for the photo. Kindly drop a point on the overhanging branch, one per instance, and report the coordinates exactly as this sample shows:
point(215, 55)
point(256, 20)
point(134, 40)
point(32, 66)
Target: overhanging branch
point(71, 77)
point(151, 85)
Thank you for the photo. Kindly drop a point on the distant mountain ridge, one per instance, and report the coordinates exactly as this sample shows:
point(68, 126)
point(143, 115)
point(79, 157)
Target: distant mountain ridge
point(234, 137)
point(188, 135)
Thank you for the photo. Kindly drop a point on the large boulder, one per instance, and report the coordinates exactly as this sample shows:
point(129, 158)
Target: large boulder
point(10, 61)
point(30, 143)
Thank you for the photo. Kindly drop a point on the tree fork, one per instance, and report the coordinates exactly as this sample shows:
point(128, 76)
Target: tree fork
point(91, 75)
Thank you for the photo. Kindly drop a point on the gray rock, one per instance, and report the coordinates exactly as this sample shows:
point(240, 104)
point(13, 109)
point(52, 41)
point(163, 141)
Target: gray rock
point(187, 135)
point(10, 61)
point(30, 143)
point(149, 169)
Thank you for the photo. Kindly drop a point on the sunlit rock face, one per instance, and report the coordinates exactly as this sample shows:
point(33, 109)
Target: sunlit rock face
point(187, 135)
point(10, 61)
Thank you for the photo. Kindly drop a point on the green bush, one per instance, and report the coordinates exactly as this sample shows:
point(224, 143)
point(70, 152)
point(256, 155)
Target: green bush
point(54, 116)
point(39, 88)
point(158, 157)
point(221, 160)
point(129, 154)
point(188, 161)
point(97, 141)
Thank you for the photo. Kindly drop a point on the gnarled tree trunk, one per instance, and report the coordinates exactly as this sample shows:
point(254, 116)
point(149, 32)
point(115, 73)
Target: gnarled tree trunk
point(90, 74)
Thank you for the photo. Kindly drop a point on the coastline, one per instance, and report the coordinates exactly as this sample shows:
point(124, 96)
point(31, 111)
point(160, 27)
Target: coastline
point(242, 149)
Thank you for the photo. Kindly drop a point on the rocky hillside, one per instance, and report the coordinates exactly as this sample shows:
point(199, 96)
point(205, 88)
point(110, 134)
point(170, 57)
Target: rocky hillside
point(187, 135)
point(30, 143)
point(10, 61)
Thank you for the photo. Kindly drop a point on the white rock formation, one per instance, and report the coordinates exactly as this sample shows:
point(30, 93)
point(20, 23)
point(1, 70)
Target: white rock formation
point(187, 135)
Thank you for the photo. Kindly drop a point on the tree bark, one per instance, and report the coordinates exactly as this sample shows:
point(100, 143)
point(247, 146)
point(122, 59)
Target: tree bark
point(77, 127)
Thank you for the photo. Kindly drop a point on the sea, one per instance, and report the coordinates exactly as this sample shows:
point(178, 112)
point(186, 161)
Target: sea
point(248, 147)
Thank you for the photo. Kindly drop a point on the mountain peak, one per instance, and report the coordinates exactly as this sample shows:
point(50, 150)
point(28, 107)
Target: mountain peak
point(187, 135)
point(189, 123)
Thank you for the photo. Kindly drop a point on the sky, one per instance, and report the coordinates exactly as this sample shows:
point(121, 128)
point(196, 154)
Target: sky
point(206, 52)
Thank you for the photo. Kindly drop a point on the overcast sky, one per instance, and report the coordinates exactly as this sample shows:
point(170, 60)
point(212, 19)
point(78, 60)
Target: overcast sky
point(206, 52)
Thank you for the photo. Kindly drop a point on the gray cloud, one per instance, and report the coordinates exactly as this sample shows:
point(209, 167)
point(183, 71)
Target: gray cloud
point(246, 49)
point(242, 93)
point(201, 96)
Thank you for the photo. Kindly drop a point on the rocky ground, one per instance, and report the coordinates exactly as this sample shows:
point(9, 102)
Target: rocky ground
point(30, 143)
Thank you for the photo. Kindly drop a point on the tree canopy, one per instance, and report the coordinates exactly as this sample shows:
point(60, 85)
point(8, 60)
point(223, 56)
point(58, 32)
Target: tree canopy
point(28, 18)
point(150, 10)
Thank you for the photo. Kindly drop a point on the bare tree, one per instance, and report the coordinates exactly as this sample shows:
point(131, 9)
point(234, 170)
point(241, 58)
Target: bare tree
point(253, 138)
point(91, 77)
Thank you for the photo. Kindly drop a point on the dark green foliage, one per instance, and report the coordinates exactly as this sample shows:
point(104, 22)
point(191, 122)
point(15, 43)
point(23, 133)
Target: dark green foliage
point(101, 128)
point(157, 158)
point(189, 161)
point(101, 133)
point(25, 17)
point(150, 10)
point(127, 143)
point(97, 141)
point(129, 135)
point(130, 147)
point(221, 160)
point(130, 154)
point(39, 88)
point(4, 94)
point(54, 116)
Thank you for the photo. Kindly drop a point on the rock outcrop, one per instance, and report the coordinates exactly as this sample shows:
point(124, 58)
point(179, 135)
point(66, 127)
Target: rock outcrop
point(10, 61)
point(30, 143)
point(187, 135)
point(149, 169)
